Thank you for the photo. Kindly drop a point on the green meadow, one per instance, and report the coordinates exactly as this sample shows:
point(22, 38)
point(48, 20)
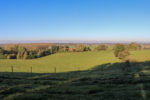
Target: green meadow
point(80, 76)
point(64, 62)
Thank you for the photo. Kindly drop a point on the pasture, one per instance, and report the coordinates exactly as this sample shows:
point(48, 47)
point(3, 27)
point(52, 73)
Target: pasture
point(104, 82)
point(64, 62)
point(101, 77)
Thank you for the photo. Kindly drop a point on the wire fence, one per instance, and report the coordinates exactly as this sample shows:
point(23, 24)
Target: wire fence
point(36, 70)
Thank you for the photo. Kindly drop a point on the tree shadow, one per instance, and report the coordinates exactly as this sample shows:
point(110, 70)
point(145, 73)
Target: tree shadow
point(111, 81)
point(137, 77)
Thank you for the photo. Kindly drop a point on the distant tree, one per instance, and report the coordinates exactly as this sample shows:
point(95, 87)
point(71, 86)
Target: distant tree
point(25, 56)
point(3, 56)
point(123, 54)
point(18, 56)
point(11, 56)
point(54, 49)
point(62, 48)
point(1, 51)
point(30, 55)
point(101, 47)
point(21, 51)
point(133, 46)
point(66, 48)
point(88, 49)
point(12, 49)
point(8, 57)
point(82, 48)
point(118, 48)
point(40, 53)
point(47, 52)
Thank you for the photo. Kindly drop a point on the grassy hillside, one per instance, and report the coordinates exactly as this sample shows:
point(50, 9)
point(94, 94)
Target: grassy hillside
point(107, 78)
point(103, 82)
point(64, 62)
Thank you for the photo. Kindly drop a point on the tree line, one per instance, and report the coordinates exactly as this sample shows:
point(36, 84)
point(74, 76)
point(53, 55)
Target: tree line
point(21, 52)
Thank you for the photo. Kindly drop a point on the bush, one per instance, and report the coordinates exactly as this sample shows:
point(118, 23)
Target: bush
point(82, 48)
point(62, 49)
point(32, 55)
point(3, 56)
point(101, 47)
point(11, 56)
point(21, 51)
point(54, 49)
point(40, 53)
point(1, 51)
point(123, 54)
point(25, 56)
point(133, 46)
point(18, 56)
point(118, 48)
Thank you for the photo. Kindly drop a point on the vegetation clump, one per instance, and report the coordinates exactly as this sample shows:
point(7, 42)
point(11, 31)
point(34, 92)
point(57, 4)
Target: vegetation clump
point(121, 51)
point(82, 48)
point(21, 52)
point(133, 46)
point(101, 47)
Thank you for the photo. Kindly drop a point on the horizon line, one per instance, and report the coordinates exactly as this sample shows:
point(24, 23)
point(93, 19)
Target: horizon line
point(70, 41)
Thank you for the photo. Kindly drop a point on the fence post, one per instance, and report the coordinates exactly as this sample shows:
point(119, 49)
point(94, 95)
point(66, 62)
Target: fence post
point(55, 69)
point(12, 69)
point(31, 70)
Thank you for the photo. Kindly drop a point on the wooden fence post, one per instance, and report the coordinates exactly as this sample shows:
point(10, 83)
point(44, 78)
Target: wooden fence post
point(55, 69)
point(12, 69)
point(31, 70)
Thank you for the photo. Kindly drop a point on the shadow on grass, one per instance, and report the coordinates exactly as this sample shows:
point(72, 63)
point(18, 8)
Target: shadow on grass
point(117, 81)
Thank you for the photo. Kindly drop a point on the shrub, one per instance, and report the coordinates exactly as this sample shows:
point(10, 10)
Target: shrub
point(62, 49)
point(101, 47)
point(40, 53)
point(118, 48)
point(21, 51)
point(18, 56)
point(54, 49)
point(82, 48)
point(11, 56)
point(123, 54)
point(1, 51)
point(133, 46)
point(25, 56)
point(3, 56)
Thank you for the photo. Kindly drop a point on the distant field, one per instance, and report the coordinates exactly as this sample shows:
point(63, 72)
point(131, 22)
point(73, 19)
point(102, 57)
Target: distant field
point(64, 62)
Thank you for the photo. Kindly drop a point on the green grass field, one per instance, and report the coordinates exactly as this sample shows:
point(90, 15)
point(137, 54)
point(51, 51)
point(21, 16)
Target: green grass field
point(104, 82)
point(64, 62)
point(101, 77)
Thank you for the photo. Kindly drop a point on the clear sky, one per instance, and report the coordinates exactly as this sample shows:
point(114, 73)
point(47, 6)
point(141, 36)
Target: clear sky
point(75, 19)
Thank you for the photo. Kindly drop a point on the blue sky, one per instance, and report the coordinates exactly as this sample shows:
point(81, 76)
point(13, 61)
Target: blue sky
point(75, 19)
